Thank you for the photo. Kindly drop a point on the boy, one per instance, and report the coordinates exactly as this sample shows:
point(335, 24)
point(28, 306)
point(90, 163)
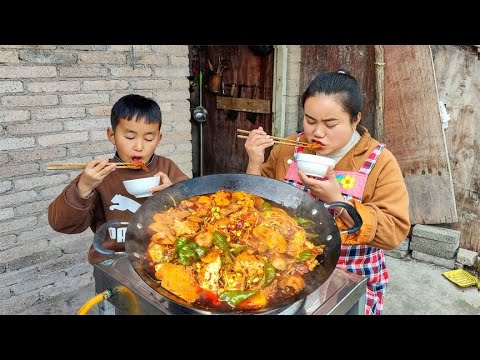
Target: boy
point(90, 199)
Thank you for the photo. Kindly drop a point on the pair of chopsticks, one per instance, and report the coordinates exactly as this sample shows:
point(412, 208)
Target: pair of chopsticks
point(78, 166)
point(276, 139)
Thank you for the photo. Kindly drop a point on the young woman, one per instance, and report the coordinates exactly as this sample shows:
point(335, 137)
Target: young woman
point(366, 175)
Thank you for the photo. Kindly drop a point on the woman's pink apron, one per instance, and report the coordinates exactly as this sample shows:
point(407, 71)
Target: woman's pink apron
point(363, 260)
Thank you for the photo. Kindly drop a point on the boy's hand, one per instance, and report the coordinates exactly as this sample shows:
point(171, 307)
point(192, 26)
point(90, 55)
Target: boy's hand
point(164, 182)
point(95, 172)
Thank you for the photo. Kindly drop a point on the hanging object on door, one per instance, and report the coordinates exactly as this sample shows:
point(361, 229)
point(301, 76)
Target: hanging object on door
point(214, 83)
point(215, 78)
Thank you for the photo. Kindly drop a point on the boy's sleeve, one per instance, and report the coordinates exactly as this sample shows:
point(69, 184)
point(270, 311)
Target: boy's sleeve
point(174, 173)
point(69, 213)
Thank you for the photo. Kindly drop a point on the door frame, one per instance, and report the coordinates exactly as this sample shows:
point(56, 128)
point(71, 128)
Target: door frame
point(279, 96)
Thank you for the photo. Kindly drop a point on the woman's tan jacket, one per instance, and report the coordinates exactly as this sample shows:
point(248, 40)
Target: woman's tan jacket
point(384, 207)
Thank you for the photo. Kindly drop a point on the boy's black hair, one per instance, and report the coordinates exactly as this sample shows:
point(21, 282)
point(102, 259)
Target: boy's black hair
point(341, 85)
point(136, 107)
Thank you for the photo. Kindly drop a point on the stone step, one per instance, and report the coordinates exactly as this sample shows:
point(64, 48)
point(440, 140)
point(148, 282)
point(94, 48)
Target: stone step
point(436, 233)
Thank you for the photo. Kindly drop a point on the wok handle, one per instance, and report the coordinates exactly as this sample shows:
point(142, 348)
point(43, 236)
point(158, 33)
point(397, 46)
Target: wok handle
point(357, 219)
point(102, 233)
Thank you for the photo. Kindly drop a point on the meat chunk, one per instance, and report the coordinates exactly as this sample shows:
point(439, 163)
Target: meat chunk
point(204, 239)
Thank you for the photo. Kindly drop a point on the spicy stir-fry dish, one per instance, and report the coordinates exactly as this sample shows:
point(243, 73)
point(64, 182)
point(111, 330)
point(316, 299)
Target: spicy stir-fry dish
point(231, 249)
point(139, 164)
point(315, 146)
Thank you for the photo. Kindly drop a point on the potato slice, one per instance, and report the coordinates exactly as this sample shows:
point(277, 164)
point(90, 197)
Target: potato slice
point(272, 238)
point(178, 280)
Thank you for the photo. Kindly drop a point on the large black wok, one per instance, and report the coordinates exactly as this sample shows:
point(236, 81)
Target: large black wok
point(295, 201)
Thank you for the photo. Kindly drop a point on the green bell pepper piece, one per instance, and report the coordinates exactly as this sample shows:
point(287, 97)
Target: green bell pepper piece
point(266, 206)
point(234, 297)
point(180, 242)
point(270, 273)
point(305, 255)
point(221, 242)
point(201, 251)
point(238, 250)
point(187, 255)
point(303, 221)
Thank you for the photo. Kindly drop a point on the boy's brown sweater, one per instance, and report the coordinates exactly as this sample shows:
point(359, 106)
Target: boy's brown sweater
point(70, 214)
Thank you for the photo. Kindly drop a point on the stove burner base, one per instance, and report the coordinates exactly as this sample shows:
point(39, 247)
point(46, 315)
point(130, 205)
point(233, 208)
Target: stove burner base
point(342, 294)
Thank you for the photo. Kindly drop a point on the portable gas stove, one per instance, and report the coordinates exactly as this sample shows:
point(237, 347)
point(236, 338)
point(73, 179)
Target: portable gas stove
point(343, 293)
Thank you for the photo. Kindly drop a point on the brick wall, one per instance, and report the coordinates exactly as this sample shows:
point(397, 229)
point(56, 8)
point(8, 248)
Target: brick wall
point(55, 103)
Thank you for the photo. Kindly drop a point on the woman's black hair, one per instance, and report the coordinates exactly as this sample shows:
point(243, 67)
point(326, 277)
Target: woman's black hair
point(341, 85)
point(136, 107)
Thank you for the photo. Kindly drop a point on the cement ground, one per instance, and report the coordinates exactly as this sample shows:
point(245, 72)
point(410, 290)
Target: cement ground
point(415, 288)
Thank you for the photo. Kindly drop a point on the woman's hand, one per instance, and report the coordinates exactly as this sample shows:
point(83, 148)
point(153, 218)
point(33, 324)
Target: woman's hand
point(258, 140)
point(326, 189)
point(164, 182)
point(93, 175)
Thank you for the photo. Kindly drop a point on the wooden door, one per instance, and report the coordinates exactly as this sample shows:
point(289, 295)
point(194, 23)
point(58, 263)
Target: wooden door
point(358, 60)
point(457, 72)
point(249, 75)
point(413, 133)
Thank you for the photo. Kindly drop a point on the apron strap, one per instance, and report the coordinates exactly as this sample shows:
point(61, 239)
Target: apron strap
point(298, 148)
point(371, 160)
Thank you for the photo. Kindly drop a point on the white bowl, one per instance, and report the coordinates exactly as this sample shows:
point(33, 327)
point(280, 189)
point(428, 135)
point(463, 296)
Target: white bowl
point(314, 165)
point(141, 187)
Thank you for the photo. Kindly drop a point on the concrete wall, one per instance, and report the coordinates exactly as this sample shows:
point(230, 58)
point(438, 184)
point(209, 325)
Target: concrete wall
point(292, 108)
point(55, 103)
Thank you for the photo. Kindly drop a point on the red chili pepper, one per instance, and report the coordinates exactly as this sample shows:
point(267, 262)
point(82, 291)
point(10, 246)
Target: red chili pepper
point(211, 297)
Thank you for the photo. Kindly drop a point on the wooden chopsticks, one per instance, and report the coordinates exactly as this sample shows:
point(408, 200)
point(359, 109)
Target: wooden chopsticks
point(276, 139)
point(79, 166)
